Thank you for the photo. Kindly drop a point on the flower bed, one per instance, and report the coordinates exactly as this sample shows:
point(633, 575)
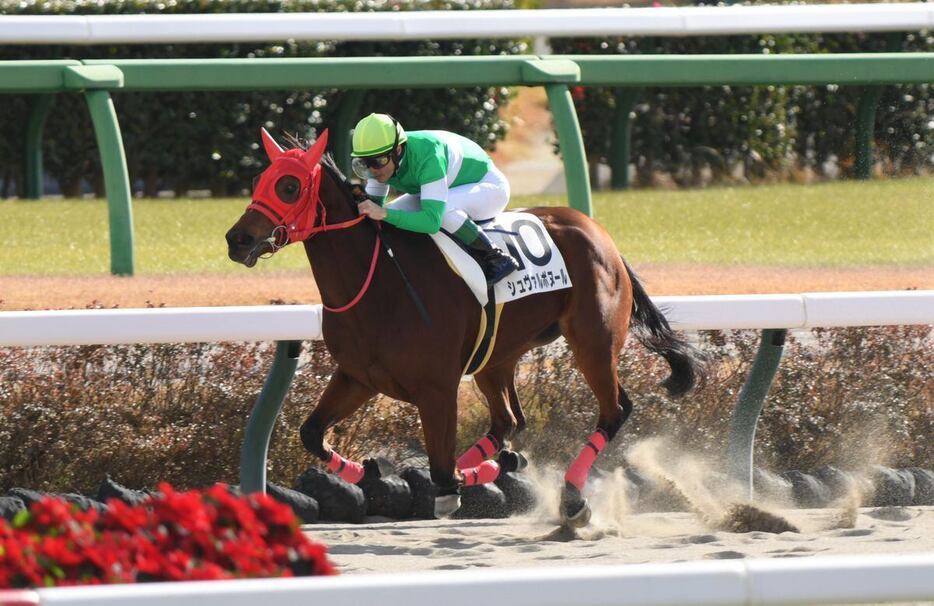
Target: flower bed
point(173, 536)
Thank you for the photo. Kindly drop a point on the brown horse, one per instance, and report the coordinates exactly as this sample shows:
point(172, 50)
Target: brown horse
point(383, 344)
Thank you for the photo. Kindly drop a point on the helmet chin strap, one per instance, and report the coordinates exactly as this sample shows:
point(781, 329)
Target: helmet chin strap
point(394, 154)
point(396, 159)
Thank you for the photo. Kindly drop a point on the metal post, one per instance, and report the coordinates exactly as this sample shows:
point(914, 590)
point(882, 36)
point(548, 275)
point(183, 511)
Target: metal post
point(751, 399)
point(866, 116)
point(33, 159)
point(865, 128)
point(116, 180)
point(622, 136)
point(572, 147)
point(347, 113)
point(263, 417)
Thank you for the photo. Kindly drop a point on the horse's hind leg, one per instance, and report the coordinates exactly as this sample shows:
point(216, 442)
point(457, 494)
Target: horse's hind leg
point(574, 508)
point(341, 398)
point(596, 350)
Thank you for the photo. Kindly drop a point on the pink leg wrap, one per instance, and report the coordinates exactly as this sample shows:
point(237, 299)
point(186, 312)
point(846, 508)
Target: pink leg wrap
point(349, 471)
point(485, 448)
point(580, 468)
point(483, 473)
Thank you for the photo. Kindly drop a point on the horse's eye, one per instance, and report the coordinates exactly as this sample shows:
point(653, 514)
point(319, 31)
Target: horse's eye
point(288, 189)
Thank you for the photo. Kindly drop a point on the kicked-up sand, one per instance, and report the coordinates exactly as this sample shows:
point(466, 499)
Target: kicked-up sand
point(716, 522)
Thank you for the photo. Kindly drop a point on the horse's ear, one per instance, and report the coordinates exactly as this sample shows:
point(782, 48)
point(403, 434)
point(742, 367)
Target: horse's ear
point(314, 153)
point(272, 148)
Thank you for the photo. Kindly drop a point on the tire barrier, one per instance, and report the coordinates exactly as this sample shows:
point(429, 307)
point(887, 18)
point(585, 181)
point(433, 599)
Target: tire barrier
point(382, 494)
point(519, 492)
point(893, 487)
point(338, 501)
point(807, 490)
point(924, 486)
point(387, 495)
point(482, 501)
point(10, 506)
point(770, 486)
point(109, 489)
point(305, 507)
point(32, 496)
point(424, 492)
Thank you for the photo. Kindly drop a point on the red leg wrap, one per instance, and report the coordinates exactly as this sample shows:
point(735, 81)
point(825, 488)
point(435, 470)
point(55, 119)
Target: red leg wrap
point(580, 468)
point(349, 471)
point(485, 448)
point(483, 473)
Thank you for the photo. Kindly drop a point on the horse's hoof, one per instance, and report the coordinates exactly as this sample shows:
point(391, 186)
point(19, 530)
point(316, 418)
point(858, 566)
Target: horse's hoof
point(575, 511)
point(445, 506)
point(579, 519)
point(510, 460)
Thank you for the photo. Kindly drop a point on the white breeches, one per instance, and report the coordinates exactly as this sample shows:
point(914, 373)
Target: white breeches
point(478, 201)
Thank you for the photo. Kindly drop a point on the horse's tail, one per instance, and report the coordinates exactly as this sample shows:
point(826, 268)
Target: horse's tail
point(651, 328)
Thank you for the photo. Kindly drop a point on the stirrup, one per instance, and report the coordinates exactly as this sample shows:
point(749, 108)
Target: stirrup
point(498, 265)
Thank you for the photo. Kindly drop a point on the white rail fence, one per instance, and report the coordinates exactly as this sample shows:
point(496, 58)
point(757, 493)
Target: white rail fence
point(303, 322)
point(418, 25)
point(762, 582)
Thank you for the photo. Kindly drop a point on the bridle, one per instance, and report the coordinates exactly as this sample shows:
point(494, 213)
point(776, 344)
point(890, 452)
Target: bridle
point(307, 215)
point(298, 221)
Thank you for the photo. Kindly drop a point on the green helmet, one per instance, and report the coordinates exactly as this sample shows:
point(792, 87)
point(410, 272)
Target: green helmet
point(375, 135)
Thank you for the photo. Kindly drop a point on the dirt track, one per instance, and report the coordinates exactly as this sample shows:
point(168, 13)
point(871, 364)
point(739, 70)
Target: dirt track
point(251, 288)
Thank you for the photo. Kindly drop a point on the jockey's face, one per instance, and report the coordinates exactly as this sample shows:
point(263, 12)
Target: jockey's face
point(385, 172)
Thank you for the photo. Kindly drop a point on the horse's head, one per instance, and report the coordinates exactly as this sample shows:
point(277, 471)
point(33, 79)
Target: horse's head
point(285, 204)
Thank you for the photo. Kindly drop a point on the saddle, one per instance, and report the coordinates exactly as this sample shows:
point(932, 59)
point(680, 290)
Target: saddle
point(541, 269)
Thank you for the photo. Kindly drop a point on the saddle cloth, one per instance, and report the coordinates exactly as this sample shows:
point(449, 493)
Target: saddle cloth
point(524, 237)
point(541, 269)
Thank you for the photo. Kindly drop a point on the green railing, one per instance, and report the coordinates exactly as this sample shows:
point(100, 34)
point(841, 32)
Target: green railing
point(628, 73)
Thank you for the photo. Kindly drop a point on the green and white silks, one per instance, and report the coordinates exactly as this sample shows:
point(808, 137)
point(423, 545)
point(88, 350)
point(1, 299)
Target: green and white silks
point(444, 179)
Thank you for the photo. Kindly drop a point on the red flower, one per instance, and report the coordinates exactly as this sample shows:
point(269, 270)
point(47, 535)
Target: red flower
point(191, 535)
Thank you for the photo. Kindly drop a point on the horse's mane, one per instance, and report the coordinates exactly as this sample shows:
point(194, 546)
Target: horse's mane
point(327, 160)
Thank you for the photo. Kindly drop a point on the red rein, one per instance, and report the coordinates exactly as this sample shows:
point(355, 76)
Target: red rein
point(344, 225)
point(366, 283)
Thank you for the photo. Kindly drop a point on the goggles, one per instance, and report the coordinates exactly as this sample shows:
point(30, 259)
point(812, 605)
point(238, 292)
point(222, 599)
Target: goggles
point(362, 166)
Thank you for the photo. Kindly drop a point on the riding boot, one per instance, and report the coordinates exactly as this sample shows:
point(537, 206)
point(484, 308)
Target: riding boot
point(496, 264)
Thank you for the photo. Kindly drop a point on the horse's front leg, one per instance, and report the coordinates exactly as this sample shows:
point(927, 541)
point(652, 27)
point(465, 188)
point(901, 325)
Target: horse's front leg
point(438, 412)
point(341, 398)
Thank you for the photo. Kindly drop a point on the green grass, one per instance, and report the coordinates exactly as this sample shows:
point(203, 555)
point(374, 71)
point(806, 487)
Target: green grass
point(834, 224)
point(886, 222)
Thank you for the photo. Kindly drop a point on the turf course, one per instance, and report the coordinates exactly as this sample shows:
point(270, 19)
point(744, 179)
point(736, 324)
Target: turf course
point(882, 222)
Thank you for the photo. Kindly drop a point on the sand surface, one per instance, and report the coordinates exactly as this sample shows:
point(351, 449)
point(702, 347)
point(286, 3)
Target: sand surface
point(525, 541)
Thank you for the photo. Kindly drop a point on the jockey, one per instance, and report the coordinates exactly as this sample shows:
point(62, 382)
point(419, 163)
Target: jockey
point(447, 181)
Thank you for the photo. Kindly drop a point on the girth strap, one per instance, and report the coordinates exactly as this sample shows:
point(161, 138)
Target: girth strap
point(486, 337)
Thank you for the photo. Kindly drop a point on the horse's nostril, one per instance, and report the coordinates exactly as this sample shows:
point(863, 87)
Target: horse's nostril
point(238, 238)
